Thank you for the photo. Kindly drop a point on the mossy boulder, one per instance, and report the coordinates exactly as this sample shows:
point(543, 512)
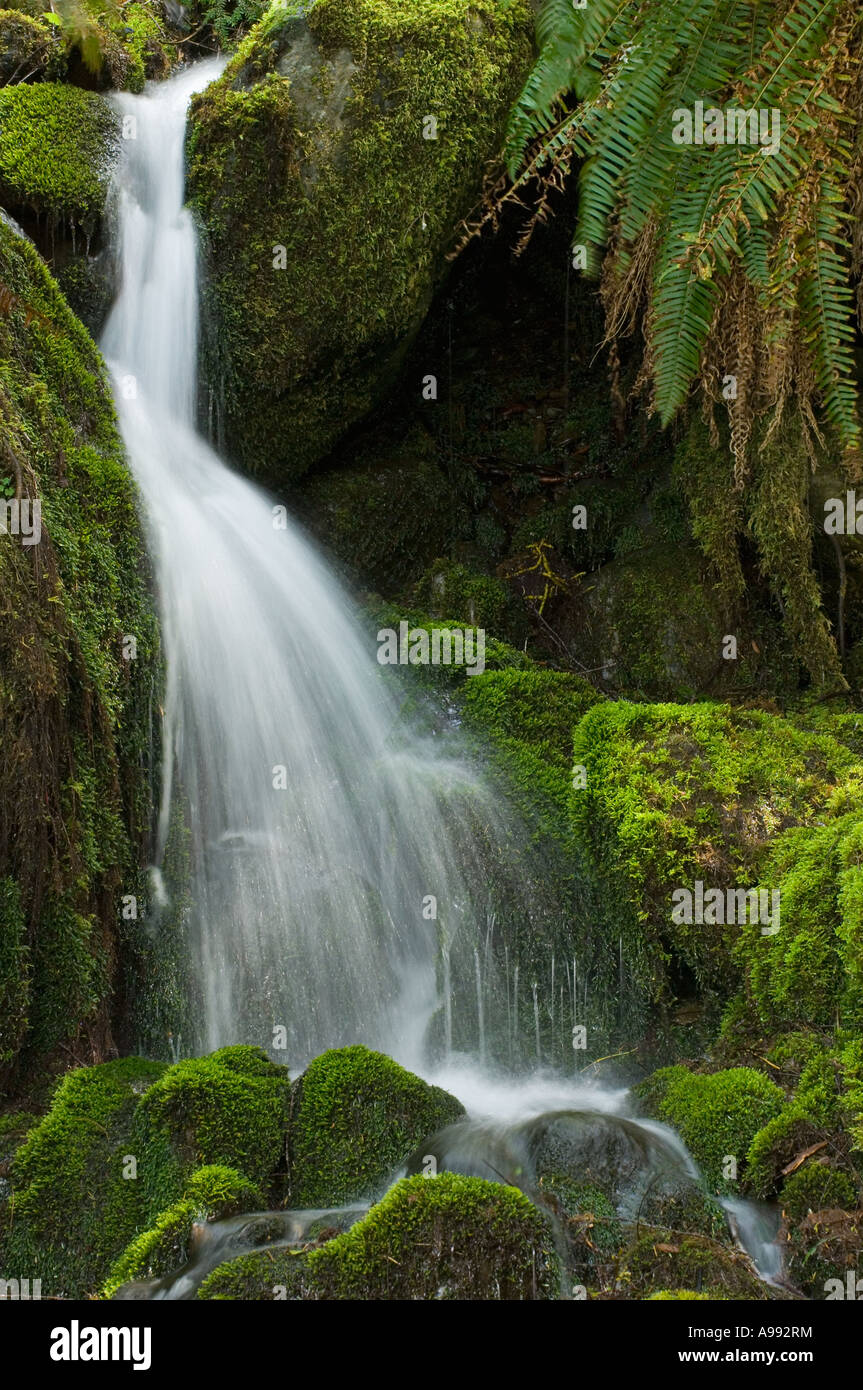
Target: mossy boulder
point(665, 1260)
point(75, 1201)
point(717, 1116)
point(679, 795)
point(57, 146)
point(816, 1188)
point(653, 625)
point(211, 1194)
point(28, 48)
point(355, 1116)
point(442, 1238)
point(228, 1109)
point(78, 669)
point(134, 1149)
point(330, 167)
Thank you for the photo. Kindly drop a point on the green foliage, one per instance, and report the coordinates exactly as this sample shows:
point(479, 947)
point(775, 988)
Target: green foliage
point(633, 68)
point(313, 141)
point(448, 1237)
point(716, 1115)
point(670, 1261)
point(56, 148)
point(211, 1194)
point(738, 260)
point(355, 1116)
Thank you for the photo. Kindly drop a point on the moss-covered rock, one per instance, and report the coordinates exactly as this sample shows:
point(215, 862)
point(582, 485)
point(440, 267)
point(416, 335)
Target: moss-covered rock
point(816, 1188)
point(227, 1109)
point(136, 1149)
point(442, 1238)
point(29, 48)
point(329, 196)
point(717, 1116)
point(212, 1193)
point(680, 795)
point(387, 513)
point(355, 1116)
point(667, 1259)
point(654, 626)
point(76, 1199)
point(57, 145)
point(813, 967)
point(78, 668)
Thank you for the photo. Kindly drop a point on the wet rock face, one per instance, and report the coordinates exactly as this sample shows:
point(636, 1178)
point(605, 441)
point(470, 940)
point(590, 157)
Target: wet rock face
point(330, 167)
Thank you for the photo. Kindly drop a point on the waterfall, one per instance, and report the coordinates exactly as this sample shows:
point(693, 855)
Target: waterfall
point(319, 826)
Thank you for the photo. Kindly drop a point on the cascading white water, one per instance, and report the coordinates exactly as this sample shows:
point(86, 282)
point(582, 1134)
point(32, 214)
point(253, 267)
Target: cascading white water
point(307, 884)
point(318, 825)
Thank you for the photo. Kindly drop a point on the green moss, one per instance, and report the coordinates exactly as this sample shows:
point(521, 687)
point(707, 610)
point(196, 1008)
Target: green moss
point(56, 148)
point(356, 1115)
point(74, 779)
point(14, 972)
point(815, 1188)
point(716, 1116)
point(679, 794)
point(211, 1194)
point(671, 1261)
point(823, 1104)
point(677, 1294)
point(72, 1210)
point(28, 48)
point(388, 512)
point(813, 967)
point(313, 141)
point(227, 1109)
point(442, 1238)
point(448, 588)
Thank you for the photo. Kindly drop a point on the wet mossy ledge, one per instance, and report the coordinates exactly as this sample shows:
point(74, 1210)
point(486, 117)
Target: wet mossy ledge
point(79, 672)
point(330, 167)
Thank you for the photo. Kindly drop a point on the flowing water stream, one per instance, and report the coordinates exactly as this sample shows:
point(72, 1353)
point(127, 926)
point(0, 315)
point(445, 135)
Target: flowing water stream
point(320, 826)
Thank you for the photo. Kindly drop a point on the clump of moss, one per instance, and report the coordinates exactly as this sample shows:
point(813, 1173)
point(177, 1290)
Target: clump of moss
point(76, 1199)
point(228, 1109)
point(442, 1238)
point(75, 702)
point(697, 1263)
point(28, 49)
point(57, 144)
point(355, 1116)
point(327, 213)
point(212, 1193)
point(815, 1188)
point(717, 1116)
point(679, 794)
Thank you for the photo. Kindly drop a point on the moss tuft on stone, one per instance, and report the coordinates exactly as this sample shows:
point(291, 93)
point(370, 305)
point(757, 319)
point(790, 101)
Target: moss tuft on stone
point(355, 1116)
